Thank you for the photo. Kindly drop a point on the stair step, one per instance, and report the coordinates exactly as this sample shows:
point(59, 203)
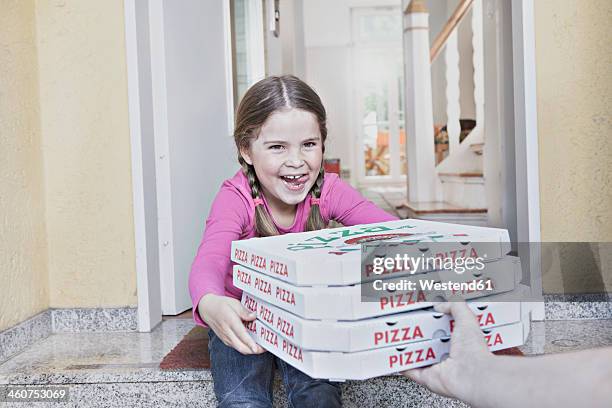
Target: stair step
point(438, 207)
point(120, 369)
point(464, 174)
point(477, 148)
point(443, 212)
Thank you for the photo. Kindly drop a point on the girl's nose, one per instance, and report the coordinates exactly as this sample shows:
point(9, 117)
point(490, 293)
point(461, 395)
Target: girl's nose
point(295, 159)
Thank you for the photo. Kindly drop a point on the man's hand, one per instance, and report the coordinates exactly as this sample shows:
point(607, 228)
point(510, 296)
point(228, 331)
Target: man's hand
point(455, 376)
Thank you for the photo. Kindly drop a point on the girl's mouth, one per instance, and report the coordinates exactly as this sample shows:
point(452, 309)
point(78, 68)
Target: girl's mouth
point(295, 182)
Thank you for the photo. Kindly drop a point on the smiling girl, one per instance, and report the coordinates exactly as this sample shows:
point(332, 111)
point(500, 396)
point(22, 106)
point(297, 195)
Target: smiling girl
point(280, 135)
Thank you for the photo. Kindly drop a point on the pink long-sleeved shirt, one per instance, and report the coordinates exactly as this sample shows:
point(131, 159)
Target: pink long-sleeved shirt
point(231, 218)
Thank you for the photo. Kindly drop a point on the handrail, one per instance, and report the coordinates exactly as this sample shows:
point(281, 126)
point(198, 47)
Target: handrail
point(462, 8)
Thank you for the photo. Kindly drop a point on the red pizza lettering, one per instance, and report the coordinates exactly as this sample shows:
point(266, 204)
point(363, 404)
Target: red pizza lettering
point(240, 255)
point(279, 268)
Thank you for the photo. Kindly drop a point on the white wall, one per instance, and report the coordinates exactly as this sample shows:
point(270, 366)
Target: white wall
point(327, 38)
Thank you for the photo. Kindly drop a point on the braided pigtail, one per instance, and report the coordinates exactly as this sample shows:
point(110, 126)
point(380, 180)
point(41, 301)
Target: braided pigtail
point(315, 220)
point(263, 222)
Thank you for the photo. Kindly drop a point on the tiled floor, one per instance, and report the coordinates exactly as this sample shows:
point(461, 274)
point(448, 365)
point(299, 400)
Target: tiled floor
point(119, 365)
point(386, 197)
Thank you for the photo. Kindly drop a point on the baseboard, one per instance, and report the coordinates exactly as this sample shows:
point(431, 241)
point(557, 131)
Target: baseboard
point(578, 307)
point(102, 319)
point(19, 337)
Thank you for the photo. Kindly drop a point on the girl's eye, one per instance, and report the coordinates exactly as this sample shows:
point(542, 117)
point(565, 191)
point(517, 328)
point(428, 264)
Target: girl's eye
point(310, 144)
point(276, 147)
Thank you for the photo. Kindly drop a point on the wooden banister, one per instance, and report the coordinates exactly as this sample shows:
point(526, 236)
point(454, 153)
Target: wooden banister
point(462, 8)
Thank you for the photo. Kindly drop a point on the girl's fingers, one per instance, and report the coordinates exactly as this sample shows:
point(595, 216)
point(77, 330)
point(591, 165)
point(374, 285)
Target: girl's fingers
point(240, 331)
point(237, 344)
point(243, 312)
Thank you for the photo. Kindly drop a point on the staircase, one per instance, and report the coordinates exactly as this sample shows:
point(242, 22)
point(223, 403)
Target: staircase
point(456, 185)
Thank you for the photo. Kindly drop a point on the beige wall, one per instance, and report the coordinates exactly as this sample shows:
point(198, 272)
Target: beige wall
point(86, 146)
point(574, 87)
point(66, 224)
point(24, 289)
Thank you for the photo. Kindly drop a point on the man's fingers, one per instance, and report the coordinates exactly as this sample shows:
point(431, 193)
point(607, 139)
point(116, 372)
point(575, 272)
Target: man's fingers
point(442, 307)
point(423, 376)
point(462, 313)
point(414, 374)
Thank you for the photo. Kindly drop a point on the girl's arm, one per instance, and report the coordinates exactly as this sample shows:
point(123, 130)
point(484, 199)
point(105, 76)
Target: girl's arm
point(211, 273)
point(347, 206)
point(211, 268)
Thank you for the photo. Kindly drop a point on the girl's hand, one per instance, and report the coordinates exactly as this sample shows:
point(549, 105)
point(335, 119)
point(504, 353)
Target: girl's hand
point(225, 316)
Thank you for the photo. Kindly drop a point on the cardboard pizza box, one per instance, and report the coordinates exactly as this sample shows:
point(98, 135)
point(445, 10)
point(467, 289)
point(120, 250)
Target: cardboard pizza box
point(400, 328)
point(356, 302)
point(362, 365)
point(333, 256)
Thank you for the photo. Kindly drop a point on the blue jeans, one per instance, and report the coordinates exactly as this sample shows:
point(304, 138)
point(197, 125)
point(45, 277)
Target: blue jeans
point(246, 380)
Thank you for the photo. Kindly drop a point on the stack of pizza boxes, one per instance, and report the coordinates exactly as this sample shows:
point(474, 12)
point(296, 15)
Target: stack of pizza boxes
point(324, 308)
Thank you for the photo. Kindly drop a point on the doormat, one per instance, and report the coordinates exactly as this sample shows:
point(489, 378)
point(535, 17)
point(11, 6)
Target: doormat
point(192, 352)
point(512, 351)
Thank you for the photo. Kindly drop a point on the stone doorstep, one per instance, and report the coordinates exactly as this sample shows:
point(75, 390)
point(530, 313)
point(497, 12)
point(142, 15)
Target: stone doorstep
point(194, 388)
point(386, 392)
point(21, 336)
point(143, 384)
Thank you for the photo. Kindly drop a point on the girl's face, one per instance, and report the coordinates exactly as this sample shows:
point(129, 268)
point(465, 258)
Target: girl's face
point(287, 156)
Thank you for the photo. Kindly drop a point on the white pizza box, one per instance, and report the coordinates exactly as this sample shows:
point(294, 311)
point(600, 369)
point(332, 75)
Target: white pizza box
point(400, 328)
point(349, 302)
point(362, 365)
point(333, 256)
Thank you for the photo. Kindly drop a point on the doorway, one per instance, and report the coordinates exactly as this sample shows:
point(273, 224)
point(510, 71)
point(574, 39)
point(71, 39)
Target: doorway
point(378, 78)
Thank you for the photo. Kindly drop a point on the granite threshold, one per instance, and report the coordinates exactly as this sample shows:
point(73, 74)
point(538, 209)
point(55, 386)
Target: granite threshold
point(125, 319)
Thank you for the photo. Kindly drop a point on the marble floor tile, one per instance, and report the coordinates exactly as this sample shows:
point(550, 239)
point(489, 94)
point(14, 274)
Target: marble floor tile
point(100, 357)
point(121, 369)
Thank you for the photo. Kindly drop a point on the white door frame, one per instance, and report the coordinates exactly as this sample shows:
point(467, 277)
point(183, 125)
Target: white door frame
point(526, 143)
point(511, 159)
point(143, 167)
point(141, 117)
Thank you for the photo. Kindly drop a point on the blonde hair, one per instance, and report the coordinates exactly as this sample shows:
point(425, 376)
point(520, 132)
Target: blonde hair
point(259, 102)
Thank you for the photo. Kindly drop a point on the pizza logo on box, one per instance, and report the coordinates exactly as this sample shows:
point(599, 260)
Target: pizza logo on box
point(340, 241)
